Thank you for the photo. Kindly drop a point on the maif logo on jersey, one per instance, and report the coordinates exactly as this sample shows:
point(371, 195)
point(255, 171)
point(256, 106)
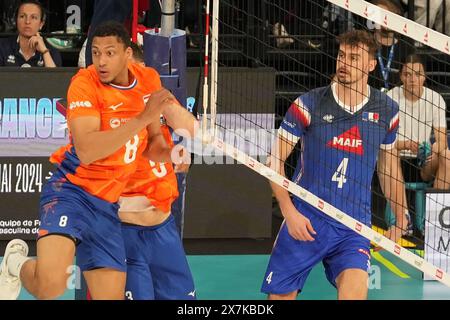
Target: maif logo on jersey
point(349, 141)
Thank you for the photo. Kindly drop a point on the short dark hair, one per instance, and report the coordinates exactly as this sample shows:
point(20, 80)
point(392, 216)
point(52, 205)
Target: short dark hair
point(392, 6)
point(356, 38)
point(113, 29)
point(413, 58)
point(36, 3)
point(138, 54)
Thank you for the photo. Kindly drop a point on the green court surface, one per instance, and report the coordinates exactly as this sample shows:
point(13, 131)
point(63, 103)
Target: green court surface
point(239, 277)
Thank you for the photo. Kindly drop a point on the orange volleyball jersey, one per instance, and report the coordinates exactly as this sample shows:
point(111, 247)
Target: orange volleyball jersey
point(156, 181)
point(114, 105)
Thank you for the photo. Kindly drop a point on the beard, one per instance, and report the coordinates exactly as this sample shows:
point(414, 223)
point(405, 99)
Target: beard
point(344, 80)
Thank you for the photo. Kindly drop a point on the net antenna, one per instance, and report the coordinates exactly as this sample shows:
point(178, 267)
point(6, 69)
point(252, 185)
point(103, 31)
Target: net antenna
point(206, 67)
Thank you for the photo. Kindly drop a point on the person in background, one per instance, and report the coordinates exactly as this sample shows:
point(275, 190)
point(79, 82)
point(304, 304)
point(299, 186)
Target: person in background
point(392, 50)
point(157, 268)
point(28, 48)
point(422, 111)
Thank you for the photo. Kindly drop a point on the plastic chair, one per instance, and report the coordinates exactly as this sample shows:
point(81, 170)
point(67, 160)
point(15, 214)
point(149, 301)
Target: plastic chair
point(419, 188)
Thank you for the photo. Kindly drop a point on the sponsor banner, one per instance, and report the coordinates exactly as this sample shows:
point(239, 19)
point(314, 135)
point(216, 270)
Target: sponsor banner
point(437, 232)
point(21, 182)
point(31, 127)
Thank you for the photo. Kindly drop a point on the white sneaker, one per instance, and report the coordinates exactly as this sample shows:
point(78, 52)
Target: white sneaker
point(9, 284)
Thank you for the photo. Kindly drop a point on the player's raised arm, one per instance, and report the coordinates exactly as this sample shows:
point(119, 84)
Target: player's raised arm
point(180, 120)
point(176, 116)
point(157, 148)
point(92, 144)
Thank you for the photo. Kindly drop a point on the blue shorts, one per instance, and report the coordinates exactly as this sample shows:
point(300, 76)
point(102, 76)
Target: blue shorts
point(156, 262)
point(292, 260)
point(92, 223)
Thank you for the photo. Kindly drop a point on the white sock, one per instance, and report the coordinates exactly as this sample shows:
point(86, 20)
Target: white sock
point(15, 263)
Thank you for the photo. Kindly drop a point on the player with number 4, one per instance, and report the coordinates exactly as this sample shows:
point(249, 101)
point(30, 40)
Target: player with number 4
point(113, 108)
point(344, 128)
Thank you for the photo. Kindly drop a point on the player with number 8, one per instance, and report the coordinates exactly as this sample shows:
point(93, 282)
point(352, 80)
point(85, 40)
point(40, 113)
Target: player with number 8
point(112, 106)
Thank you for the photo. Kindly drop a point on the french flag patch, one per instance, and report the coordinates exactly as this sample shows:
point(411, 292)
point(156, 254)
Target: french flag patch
point(371, 116)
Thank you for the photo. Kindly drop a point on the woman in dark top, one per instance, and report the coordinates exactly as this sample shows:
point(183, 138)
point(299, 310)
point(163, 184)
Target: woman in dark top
point(28, 49)
point(392, 51)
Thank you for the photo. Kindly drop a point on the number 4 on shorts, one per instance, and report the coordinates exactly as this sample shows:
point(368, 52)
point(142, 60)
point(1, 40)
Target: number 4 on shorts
point(269, 277)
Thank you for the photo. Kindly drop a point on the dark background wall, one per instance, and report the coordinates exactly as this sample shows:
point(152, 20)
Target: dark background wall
point(223, 201)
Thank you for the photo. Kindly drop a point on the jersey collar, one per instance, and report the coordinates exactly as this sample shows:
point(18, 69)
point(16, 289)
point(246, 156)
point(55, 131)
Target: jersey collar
point(346, 107)
point(131, 86)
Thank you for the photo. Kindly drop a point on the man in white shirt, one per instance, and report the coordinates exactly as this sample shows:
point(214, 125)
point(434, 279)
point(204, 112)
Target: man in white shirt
point(421, 110)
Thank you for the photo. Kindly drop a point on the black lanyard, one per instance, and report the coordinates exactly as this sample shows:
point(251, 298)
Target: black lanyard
point(385, 70)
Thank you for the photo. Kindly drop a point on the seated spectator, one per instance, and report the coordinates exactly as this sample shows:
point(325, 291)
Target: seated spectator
point(436, 14)
point(29, 48)
point(421, 110)
point(393, 50)
point(281, 15)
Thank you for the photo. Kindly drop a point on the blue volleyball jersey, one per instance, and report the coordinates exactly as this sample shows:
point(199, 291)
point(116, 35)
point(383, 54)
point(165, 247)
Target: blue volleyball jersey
point(339, 149)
